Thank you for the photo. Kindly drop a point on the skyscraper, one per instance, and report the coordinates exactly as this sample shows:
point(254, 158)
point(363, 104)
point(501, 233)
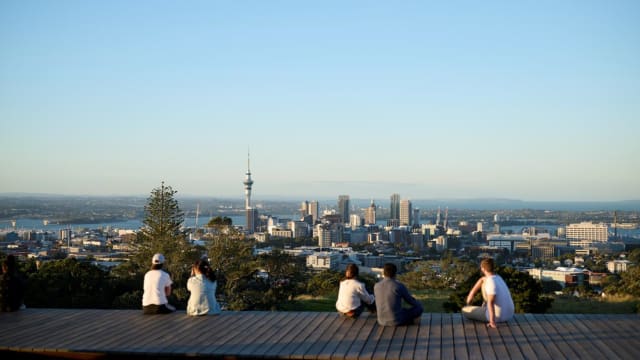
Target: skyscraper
point(343, 208)
point(370, 215)
point(314, 210)
point(394, 207)
point(405, 212)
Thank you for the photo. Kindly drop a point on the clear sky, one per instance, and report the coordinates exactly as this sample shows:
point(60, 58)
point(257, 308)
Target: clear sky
point(530, 100)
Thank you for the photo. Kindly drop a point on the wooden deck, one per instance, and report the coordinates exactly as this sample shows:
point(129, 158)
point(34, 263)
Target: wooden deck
point(312, 335)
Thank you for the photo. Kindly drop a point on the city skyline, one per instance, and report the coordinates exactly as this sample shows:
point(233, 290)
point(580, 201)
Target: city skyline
point(534, 102)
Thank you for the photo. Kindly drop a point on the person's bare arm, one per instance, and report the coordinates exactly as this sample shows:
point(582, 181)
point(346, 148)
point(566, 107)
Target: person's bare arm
point(491, 300)
point(167, 290)
point(474, 290)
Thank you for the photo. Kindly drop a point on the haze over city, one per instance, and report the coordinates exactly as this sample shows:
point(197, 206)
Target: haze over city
point(495, 99)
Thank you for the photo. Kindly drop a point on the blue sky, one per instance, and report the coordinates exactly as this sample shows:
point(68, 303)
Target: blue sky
point(531, 100)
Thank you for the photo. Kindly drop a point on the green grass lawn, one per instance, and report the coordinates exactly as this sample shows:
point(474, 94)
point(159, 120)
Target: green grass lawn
point(432, 301)
point(611, 305)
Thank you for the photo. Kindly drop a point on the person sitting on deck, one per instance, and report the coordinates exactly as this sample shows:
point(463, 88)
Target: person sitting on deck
point(498, 304)
point(157, 286)
point(389, 294)
point(352, 295)
point(202, 285)
point(11, 286)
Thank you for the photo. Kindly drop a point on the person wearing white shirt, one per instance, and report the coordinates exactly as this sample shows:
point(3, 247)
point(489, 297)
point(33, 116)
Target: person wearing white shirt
point(202, 284)
point(157, 286)
point(498, 305)
point(353, 297)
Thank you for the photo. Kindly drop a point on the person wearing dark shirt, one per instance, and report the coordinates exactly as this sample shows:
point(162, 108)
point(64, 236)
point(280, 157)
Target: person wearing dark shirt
point(389, 294)
point(11, 286)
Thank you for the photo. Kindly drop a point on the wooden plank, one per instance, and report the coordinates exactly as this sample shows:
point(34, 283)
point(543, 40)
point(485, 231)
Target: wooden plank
point(397, 342)
point(362, 337)
point(497, 338)
point(615, 333)
point(410, 341)
point(516, 342)
point(257, 341)
point(244, 324)
point(545, 337)
point(18, 323)
point(69, 325)
point(459, 341)
point(383, 343)
point(32, 330)
point(343, 334)
point(295, 333)
point(135, 328)
point(205, 331)
point(578, 337)
point(422, 343)
point(352, 336)
point(471, 336)
point(446, 338)
point(531, 337)
point(326, 336)
point(299, 350)
point(435, 337)
point(371, 343)
point(486, 348)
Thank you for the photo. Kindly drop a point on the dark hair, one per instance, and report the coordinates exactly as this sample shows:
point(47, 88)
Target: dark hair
point(156, 266)
point(488, 265)
point(9, 264)
point(390, 270)
point(204, 268)
point(352, 271)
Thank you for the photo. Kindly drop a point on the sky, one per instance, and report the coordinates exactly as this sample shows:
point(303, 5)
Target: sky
point(528, 100)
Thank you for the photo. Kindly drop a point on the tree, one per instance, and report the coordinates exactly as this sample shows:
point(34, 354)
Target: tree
point(69, 284)
point(162, 233)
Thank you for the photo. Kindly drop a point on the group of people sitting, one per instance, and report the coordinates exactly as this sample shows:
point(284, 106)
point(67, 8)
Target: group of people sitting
point(391, 301)
point(202, 285)
point(389, 295)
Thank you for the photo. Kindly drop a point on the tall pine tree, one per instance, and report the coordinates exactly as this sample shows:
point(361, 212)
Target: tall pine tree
point(162, 233)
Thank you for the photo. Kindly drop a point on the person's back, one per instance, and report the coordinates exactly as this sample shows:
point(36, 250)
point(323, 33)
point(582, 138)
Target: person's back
point(157, 286)
point(389, 294)
point(11, 286)
point(202, 285)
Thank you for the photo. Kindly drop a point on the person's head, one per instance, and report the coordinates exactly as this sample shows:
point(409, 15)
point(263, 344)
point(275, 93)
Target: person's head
point(9, 264)
point(389, 270)
point(352, 271)
point(157, 261)
point(202, 267)
point(488, 265)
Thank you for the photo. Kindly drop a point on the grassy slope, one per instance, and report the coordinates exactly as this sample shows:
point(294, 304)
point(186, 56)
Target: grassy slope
point(432, 301)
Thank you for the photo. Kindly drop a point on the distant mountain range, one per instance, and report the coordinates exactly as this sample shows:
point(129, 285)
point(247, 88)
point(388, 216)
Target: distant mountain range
point(470, 204)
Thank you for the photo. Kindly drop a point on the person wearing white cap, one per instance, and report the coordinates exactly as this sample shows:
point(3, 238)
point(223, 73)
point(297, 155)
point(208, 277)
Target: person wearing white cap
point(157, 286)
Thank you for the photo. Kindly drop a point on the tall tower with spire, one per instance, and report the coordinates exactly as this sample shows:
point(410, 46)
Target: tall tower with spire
point(247, 185)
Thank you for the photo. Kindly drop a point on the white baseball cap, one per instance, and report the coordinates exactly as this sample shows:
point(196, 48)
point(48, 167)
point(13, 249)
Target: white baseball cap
point(158, 259)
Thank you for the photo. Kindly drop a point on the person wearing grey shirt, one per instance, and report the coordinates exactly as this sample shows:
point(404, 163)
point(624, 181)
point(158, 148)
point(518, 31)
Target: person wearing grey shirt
point(389, 294)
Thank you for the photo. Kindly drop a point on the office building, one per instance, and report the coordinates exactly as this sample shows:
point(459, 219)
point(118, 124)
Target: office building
point(394, 207)
point(405, 212)
point(370, 214)
point(343, 208)
point(587, 231)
